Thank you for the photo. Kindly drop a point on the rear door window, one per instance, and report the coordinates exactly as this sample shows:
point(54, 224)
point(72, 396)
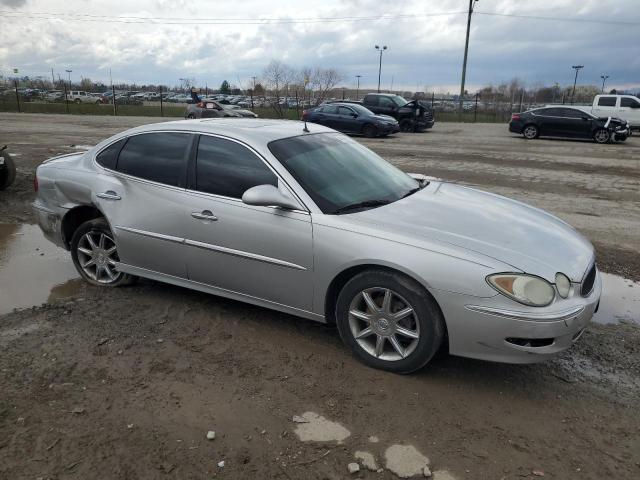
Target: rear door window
point(371, 100)
point(227, 168)
point(160, 157)
point(331, 109)
point(386, 102)
point(109, 156)
point(607, 102)
point(344, 111)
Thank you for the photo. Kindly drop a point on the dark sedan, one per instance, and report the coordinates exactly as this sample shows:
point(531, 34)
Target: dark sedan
point(568, 122)
point(352, 118)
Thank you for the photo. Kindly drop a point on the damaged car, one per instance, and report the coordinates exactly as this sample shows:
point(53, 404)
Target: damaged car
point(305, 220)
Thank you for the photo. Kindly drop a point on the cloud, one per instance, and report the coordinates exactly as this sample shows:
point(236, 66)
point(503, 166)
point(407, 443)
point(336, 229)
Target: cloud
point(423, 50)
point(13, 3)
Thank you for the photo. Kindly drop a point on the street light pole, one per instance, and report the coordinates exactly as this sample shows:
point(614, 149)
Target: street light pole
point(358, 86)
point(69, 72)
point(384, 47)
point(575, 80)
point(466, 51)
point(604, 79)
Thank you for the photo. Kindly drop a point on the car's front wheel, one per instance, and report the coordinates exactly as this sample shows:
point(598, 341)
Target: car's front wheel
point(602, 135)
point(389, 321)
point(406, 126)
point(94, 253)
point(530, 132)
point(370, 131)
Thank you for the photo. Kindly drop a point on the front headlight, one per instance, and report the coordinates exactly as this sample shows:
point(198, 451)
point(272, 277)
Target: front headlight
point(523, 288)
point(563, 284)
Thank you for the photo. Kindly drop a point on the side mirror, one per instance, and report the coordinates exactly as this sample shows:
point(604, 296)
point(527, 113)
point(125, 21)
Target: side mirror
point(269, 196)
point(354, 115)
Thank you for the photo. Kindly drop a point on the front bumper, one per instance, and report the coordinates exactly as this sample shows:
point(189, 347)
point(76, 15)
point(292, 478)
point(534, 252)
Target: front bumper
point(501, 330)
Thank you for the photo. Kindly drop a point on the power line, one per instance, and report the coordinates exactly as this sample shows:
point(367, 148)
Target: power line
point(560, 19)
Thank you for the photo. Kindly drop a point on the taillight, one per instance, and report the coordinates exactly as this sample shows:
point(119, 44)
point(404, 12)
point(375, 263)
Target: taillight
point(515, 116)
point(305, 113)
point(35, 183)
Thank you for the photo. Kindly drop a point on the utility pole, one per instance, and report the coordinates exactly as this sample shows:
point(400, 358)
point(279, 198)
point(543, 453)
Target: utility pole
point(384, 47)
point(466, 51)
point(69, 72)
point(577, 69)
point(53, 80)
point(253, 91)
point(604, 79)
point(358, 86)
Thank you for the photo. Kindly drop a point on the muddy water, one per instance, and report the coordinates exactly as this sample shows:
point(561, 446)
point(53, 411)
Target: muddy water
point(620, 301)
point(32, 269)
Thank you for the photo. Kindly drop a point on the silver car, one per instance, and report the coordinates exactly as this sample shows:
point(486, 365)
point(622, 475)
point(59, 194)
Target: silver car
point(310, 222)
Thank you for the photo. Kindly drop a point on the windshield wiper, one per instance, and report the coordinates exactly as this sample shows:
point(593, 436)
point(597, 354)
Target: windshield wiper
point(412, 191)
point(365, 204)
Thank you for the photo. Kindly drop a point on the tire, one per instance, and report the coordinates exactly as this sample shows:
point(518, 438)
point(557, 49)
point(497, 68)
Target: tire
point(383, 346)
point(406, 126)
point(98, 102)
point(530, 132)
point(621, 139)
point(93, 261)
point(9, 172)
point(602, 135)
point(77, 101)
point(191, 116)
point(370, 131)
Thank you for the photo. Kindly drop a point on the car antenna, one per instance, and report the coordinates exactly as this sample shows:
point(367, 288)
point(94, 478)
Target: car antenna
point(305, 129)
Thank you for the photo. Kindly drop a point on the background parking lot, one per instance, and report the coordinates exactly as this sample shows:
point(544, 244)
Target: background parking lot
point(128, 381)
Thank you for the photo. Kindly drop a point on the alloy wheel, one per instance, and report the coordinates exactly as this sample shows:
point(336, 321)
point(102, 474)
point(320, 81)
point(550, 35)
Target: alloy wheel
point(97, 255)
point(530, 132)
point(602, 136)
point(384, 324)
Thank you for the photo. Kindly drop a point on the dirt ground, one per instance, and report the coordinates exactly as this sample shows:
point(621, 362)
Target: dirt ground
point(126, 383)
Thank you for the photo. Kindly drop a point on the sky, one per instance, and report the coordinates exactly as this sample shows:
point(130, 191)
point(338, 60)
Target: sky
point(161, 41)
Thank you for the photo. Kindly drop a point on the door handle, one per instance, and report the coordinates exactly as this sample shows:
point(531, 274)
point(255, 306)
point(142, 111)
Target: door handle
point(109, 195)
point(204, 215)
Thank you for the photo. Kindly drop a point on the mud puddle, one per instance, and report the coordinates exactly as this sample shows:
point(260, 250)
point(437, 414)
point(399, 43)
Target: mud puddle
point(32, 269)
point(620, 301)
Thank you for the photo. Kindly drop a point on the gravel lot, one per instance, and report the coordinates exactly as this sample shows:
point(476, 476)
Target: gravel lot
point(126, 383)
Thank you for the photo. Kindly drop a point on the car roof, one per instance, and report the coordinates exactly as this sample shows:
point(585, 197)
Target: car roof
point(250, 130)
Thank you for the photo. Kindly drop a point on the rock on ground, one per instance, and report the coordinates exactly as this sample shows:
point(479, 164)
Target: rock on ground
point(405, 461)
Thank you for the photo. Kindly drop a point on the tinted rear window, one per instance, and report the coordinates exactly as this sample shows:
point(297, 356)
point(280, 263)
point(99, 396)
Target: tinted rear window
point(159, 157)
point(229, 169)
point(607, 101)
point(109, 156)
point(371, 100)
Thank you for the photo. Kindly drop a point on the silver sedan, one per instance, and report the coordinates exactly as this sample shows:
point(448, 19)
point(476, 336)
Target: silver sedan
point(310, 222)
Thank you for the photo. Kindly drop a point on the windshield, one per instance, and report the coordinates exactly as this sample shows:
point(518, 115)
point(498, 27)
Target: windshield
point(338, 172)
point(400, 101)
point(360, 109)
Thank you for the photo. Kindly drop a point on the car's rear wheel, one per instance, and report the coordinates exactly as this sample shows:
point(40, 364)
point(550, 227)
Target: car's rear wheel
point(77, 101)
point(94, 253)
point(530, 132)
point(370, 131)
point(602, 135)
point(191, 116)
point(389, 321)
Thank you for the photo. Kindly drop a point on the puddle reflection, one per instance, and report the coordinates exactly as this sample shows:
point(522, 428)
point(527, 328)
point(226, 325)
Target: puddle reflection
point(32, 269)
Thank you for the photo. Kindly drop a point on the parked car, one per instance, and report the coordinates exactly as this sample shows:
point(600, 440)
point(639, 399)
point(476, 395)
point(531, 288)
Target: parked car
point(243, 112)
point(413, 116)
point(125, 99)
point(626, 107)
point(79, 97)
point(55, 96)
point(310, 222)
point(568, 122)
point(208, 109)
point(352, 118)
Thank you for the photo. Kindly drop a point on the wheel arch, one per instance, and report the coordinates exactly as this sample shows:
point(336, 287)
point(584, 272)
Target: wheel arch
point(341, 279)
point(76, 217)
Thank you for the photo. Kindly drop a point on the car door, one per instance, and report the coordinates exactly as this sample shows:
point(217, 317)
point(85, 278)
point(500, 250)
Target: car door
point(606, 106)
point(345, 120)
point(327, 116)
point(141, 191)
point(577, 122)
point(262, 252)
point(629, 110)
point(551, 121)
point(386, 106)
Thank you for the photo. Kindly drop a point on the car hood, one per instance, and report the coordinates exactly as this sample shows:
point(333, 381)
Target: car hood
point(506, 230)
point(385, 118)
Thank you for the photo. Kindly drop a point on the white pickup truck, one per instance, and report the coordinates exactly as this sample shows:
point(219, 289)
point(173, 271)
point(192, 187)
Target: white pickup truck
point(81, 97)
point(626, 107)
